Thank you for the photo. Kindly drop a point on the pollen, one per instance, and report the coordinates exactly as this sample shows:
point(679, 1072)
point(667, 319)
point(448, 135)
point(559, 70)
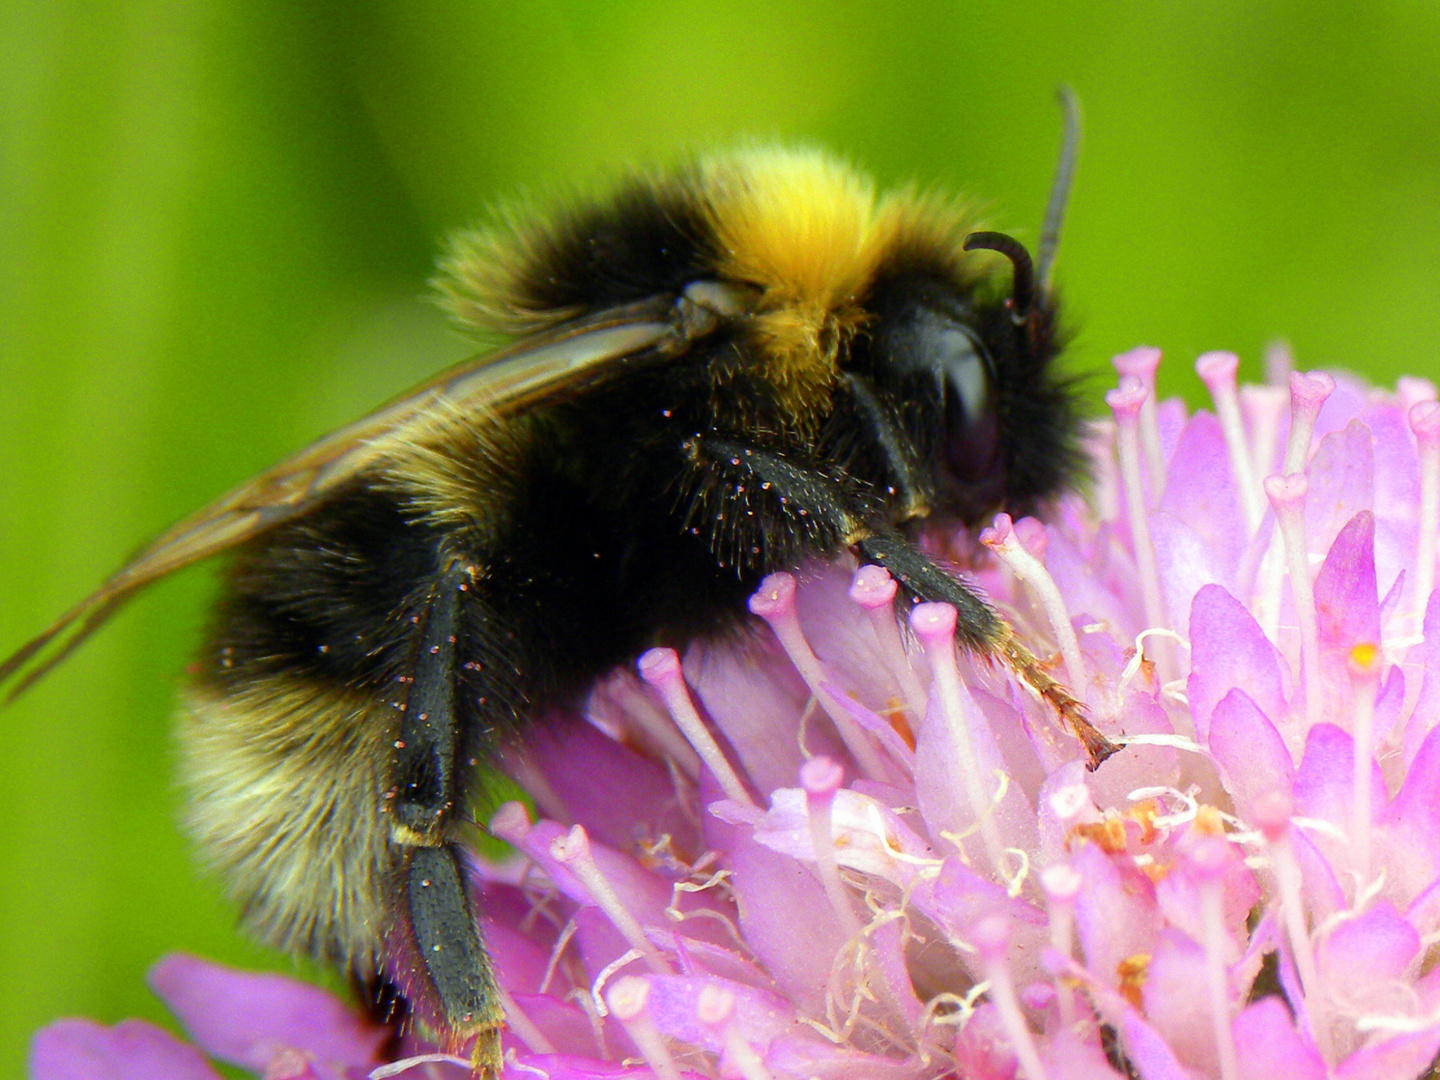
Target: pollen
point(1108, 834)
point(1133, 971)
point(1365, 656)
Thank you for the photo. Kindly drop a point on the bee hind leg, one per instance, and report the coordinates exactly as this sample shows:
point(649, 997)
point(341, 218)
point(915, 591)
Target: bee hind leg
point(444, 970)
point(441, 929)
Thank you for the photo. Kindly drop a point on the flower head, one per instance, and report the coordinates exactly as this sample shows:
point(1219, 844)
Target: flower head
point(840, 849)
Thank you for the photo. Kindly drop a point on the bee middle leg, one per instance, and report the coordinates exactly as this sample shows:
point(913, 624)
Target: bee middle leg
point(449, 968)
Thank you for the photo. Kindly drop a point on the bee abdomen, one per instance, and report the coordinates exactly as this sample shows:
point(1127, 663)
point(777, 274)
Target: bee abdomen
point(283, 779)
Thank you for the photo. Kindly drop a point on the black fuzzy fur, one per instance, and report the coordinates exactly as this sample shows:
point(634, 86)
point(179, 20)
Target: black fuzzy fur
point(649, 240)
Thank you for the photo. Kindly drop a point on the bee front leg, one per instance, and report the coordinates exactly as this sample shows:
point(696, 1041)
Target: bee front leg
point(802, 509)
point(445, 964)
point(980, 629)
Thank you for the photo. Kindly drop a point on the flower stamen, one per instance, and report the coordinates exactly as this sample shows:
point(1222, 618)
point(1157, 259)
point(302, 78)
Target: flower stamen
point(1308, 393)
point(1424, 420)
point(1141, 363)
point(1217, 372)
point(1125, 402)
point(874, 590)
point(934, 625)
point(1210, 859)
point(572, 851)
point(991, 938)
point(821, 777)
point(1364, 665)
point(1287, 496)
point(715, 1008)
point(629, 1003)
point(774, 601)
point(1001, 538)
point(660, 668)
point(521, 1024)
point(1061, 883)
point(1273, 818)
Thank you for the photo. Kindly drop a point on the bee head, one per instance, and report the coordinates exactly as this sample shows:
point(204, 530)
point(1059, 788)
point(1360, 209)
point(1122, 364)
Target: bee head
point(970, 367)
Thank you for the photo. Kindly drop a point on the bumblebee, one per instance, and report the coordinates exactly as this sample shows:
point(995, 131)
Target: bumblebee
point(716, 373)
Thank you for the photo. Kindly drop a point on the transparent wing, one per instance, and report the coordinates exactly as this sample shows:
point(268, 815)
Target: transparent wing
point(492, 385)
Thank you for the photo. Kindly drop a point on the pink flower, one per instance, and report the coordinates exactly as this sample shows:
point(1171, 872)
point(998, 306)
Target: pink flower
point(839, 851)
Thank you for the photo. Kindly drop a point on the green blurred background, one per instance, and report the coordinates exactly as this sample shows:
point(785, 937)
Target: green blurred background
point(216, 222)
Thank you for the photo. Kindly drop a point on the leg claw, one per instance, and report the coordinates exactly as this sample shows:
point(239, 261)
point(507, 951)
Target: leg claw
point(1022, 661)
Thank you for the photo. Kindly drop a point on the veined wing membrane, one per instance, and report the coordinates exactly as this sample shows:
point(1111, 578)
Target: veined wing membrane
point(495, 384)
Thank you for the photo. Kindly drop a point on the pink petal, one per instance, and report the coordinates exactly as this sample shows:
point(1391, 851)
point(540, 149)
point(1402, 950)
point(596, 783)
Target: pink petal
point(599, 942)
point(1085, 594)
point(958, 898)
point(569, 1067)
point(131, 1050)
point(868, 835)
point(1171, 417)
point(750, 693)
point(1413, 820)
point(1054, 832)
point(1324, 895)
point(1201, 492)
point(1342, 482)
point(565, 1024)
point(1249, 750)
point(1229, 650)
point(1144, 1048)
point(1324, 783)
point(759, 1016)
point(247, 1018)
point(1116, 913)
point(1388, 705)
point(1016, 739)
point(1402, 1056)
point(1179, 898)
point(1425, 656)
point(1174, 1007)
point(519, 946)
point(1347, 600)
point(844, 643)
point(1142, 765)
point(1067, 1057)
point(1397, 490)
point(940, 783)
point(1270, 1047)
point(775, 895)
point(645, 895)
point(606, 786)
point(701, 958)
point(1371, 949)
point(1424, 914)
point(1350, 397)
point(802, 1056)
point(1186, 562)
point(982, 1049)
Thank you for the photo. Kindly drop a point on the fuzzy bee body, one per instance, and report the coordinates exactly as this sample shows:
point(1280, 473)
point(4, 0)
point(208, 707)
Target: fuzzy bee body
point(718, 373)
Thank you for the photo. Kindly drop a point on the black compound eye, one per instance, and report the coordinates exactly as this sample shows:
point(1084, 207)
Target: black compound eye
point(966, 371)
point(964, 384)
point(972, 429)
